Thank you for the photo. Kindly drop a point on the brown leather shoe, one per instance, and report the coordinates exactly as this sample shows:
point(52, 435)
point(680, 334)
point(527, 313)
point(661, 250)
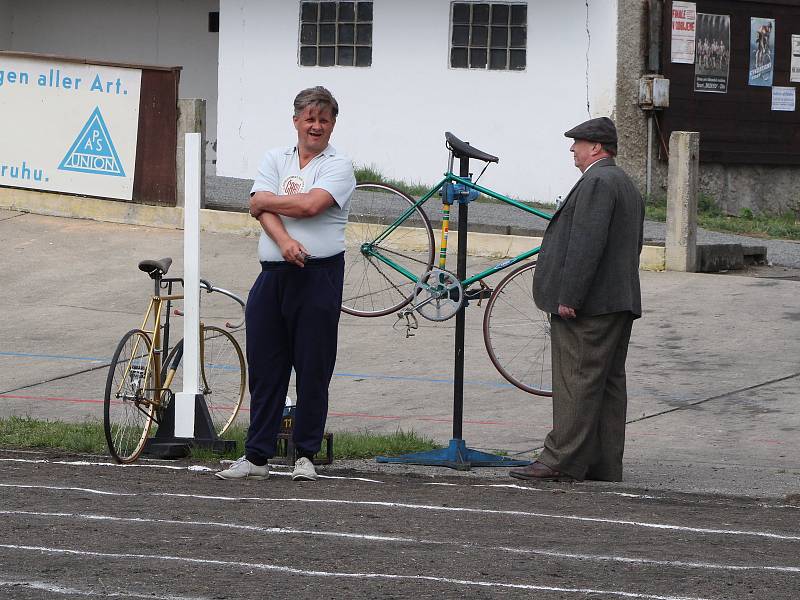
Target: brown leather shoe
point(539, 471)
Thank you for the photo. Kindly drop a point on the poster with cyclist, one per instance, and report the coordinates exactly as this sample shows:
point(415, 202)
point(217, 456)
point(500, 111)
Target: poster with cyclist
point(762, 51)
point(713, 51)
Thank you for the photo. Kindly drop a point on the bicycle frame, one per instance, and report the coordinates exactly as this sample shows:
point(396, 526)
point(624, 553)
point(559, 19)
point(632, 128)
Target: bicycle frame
point(370, 249)
point(159, 344)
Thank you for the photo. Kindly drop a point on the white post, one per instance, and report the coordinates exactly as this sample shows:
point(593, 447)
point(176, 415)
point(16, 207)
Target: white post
point(185, 400)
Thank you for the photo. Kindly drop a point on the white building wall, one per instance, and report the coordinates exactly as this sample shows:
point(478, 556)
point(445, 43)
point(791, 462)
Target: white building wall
point(152, 32)
point(394, 114)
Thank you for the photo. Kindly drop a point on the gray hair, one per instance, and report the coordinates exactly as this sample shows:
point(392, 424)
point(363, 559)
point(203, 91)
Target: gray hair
point(318, 97)
point(610, 148)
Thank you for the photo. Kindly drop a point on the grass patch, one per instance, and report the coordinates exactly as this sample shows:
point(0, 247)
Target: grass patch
point(88, 438)
point(709, 216)
point(24, 432)
point(372, 174)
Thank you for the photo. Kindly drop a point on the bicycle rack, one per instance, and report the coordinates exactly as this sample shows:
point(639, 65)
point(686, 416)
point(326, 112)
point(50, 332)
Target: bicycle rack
point(164, 444)
point(457, 455)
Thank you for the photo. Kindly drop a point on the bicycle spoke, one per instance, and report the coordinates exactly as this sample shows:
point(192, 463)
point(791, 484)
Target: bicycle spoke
point(517, 333)
point(371, 286)
point(129, 404)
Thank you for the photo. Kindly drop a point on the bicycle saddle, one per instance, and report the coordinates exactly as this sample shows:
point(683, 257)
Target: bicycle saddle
point(155, 268)
point(463, 149)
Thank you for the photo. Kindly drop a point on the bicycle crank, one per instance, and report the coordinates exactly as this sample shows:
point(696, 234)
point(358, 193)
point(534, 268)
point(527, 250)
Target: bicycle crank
point(438, 295)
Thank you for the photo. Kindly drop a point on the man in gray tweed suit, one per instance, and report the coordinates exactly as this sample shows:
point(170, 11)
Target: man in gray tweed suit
point(587, 277)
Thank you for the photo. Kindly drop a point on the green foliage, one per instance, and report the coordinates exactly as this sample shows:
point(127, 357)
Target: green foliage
point(706, 206)
point(655, 208)
point(88, 437)
point(710, 216)
point(25, 432)
point(371, 173)
point(346, 444)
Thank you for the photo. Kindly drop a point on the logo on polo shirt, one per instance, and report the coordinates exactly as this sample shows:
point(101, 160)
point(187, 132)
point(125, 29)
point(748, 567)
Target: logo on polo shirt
point(293, 184)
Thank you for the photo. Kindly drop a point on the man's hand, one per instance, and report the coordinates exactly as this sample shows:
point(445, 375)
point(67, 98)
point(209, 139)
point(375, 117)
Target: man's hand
point(566, 312)
point(294, 252)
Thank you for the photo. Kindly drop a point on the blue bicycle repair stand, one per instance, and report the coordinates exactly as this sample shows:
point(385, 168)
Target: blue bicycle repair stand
point(457, 455)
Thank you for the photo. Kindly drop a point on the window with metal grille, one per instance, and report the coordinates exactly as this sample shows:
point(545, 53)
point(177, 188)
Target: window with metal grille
point(488, 35)
point(335, 34)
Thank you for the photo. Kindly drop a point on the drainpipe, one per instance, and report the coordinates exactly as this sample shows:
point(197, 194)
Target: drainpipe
point(655, 10)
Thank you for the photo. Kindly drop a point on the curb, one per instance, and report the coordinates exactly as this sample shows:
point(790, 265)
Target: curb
point(490, 245)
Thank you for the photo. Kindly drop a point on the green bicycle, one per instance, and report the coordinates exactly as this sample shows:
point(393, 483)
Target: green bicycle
point(389, 267)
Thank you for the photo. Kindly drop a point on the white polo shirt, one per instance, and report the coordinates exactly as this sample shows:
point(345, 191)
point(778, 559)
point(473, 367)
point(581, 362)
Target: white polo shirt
point(280, 173)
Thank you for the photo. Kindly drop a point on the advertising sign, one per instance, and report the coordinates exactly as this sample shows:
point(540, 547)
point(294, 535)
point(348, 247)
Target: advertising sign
point(783, 98)
point(684, 17)
point(762, 51)
point(68, 126)
point(794, 76)
point(713, 53)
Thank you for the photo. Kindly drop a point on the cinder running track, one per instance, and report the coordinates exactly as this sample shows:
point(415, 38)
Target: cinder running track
point(76, 527)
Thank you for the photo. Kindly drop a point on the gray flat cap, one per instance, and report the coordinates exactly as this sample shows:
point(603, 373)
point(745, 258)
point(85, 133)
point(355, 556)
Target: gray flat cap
point(601, 130)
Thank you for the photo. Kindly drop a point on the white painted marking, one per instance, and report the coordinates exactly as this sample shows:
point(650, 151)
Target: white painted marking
point(86, 463)
point(514, 513)
point(254, 528)
point(487, 511)
point(526, 488)
point(421, 541)
point(347, 575)
point(68, 489)
point(192, 468)
point(105, 593)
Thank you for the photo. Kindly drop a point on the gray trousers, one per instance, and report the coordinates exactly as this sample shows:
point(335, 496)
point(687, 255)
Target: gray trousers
point(589, 396)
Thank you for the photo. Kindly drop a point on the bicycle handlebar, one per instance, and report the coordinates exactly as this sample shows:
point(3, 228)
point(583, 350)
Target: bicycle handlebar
point(232, 296)
point(209, 288)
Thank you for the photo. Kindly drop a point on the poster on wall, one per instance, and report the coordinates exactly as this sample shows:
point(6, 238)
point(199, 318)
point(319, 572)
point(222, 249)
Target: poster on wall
point(712, 53)
point(794, 75)
point(783, 98)
point(68, 126)
point(684, 17)
point(762, 51)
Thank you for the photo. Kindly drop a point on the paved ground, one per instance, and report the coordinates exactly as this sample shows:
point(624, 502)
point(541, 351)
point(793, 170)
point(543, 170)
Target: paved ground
point(708, 508)
point(231, 194)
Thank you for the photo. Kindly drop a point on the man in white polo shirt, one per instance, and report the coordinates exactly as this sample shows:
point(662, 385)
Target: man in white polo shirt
point(301, 197)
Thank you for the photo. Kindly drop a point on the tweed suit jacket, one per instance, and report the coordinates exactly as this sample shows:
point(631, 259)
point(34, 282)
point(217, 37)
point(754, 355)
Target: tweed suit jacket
point(590, 252)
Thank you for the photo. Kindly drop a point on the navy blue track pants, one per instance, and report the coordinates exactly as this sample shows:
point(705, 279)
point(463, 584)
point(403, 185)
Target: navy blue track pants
point(292, 320)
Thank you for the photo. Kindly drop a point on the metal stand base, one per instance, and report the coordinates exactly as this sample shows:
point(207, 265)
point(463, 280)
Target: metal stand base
point(164, 444)
point(456, 456)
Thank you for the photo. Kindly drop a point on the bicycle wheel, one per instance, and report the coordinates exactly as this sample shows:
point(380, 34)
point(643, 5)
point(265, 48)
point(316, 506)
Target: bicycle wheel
point(128, 402)
point(517, 333)
point(372, 288)
point(222, 375)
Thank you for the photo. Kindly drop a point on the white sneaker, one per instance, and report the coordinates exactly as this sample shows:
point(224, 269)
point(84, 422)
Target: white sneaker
point(304, 470)
point(244, 469)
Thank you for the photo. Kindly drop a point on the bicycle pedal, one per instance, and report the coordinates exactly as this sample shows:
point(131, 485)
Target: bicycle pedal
point(479, 294)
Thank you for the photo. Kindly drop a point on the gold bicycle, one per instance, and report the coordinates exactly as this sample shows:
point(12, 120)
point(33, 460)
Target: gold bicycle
point(144, 370)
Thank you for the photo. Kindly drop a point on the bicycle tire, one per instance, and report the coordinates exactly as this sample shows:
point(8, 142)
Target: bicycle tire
point(128, 401)
point(517, 333)
point(222, 375)
point(371, 287)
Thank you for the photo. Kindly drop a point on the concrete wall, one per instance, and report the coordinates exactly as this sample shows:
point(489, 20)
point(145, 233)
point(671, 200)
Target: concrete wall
point(394, 114)
point(733, 187)
point(5, 24)
point(630, 120)
point(155, 32)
